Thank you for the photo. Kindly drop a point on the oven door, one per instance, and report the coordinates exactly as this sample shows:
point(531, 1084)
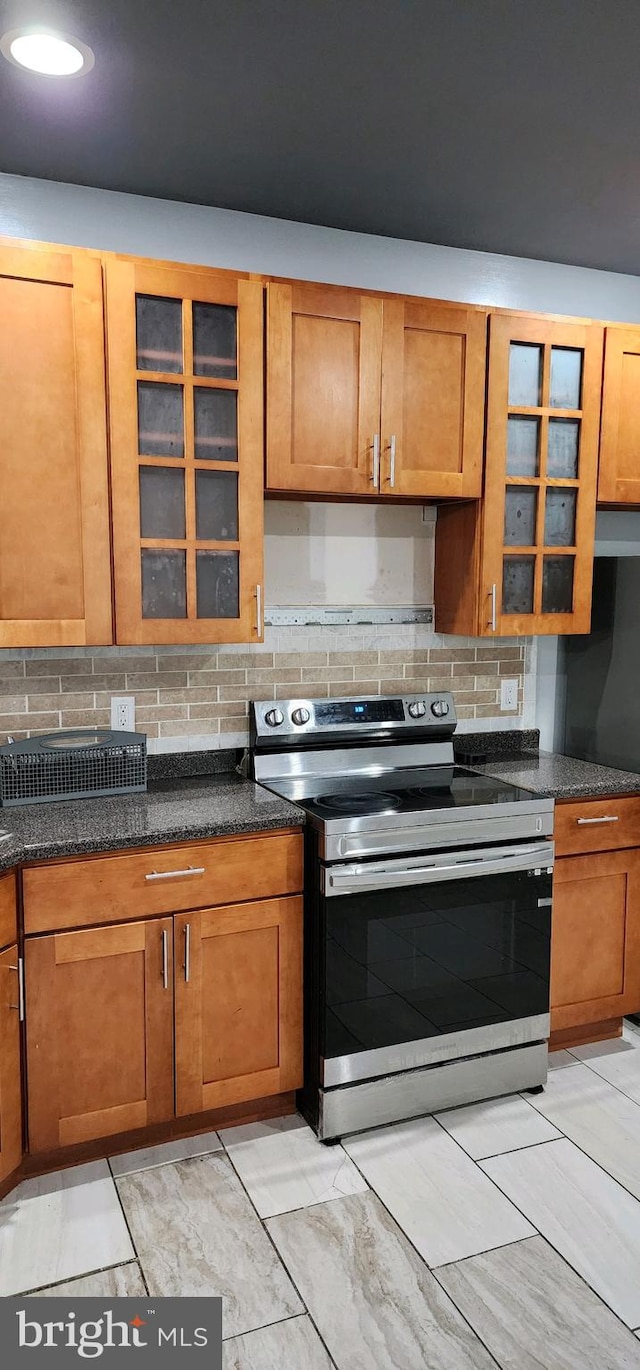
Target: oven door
point(433, 958)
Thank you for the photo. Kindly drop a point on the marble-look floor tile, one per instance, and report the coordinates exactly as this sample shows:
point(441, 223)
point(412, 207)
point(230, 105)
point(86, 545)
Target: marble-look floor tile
point(374, 1302)
point(147, 1157)
point(290, 1345)
point(498, 1125)
point(617, 1061)
point(122, 1281)
point(61, 1225)
point(598, 1118)
point(534, 1313)
point(440, 1198)
point(196, 1234)
point(283, 1166)
point(560, 1058)
point(585, 1215)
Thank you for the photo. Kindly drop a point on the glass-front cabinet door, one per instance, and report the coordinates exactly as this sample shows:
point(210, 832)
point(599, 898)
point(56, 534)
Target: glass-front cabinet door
point(543, 413)
point(185, 352)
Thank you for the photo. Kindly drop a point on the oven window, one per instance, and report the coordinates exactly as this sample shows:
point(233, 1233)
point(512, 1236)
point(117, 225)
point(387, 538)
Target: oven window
point(405, 964)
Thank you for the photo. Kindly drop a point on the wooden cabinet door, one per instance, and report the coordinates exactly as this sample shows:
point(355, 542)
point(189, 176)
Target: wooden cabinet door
point(55, 561)
point(595, 941)
point(186, 420)
point(238, 1003)
point(543, 413)
point(433, 382)
point(323, 390)
point(619, 476)
point(99, 1008)
point(10, 1084)
point(8, 917)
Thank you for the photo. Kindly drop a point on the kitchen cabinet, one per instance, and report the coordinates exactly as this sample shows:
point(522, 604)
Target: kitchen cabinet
point(55, 564)
point(185, 354)
point(10, 997)
point(373, 396)
point(619, 475)
point(99, 1006)
point(238, 1003)
point(521, 562)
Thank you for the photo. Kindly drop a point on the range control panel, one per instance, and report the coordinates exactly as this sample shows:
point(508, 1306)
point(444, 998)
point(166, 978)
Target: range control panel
point(289, 717)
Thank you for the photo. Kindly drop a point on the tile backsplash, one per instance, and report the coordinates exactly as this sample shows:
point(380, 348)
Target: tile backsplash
point(194, 697)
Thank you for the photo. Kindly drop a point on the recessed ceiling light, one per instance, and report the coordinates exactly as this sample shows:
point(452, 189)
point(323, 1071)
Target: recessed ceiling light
point(50, 54)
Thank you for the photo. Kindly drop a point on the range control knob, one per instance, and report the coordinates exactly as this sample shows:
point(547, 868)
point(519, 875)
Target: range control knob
point(417, 709)
point(440, 708)
point(300, 716)
point(274, 717)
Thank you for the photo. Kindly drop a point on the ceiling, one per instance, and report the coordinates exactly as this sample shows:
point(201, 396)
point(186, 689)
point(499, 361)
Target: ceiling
point(506, 125)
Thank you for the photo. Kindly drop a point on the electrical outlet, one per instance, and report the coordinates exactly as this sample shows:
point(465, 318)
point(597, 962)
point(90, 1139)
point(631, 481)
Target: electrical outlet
point(123, 713)
point(509, 696)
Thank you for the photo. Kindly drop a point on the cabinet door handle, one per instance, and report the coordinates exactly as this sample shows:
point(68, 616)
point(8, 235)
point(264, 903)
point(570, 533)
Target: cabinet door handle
point(165, 959)
point(392, 460)
point(375, 465)
point(607, 818)
point(19, 1007)
point(174, 875)
point(259, 610)
point(187, 953)
point(493, 596)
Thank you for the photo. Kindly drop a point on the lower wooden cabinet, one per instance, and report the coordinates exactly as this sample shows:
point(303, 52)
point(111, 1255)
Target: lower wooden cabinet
point(99, 1032)
point(595, 952)
point(10, 1082)
point(238, 1003)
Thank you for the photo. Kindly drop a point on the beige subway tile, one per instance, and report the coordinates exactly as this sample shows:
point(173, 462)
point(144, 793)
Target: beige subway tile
point(302, 659)
point(13, 704)
point(156, 681)
point(487, 682)
point(345, 687)
point(476, 697)
point(464, 670)
point(491, 711)
point(509, 668)
point(440, 670)
point(234, 709)
point(511, 652)
point(461, 682)
point(417, 684)
point(465, 711)
point(45, 685)
point(150, 729)
point(142, 697)
point(11, 670)
point(400, 655)
point(245, 660)
point(202, 678)
point(155, 713)
point(391, 685)
point(274, 674)
point(491, 667)
point(61, 701)
point(9, 722)
point(331, 674)
point(83, 718)
point(452, 654)
point(112, 664)
point(357, 658)
point(190, 694)
point(186, 728)
point(187, 661)
point(265, 691)
point(115, 684)
point(54, 665)
point(309, 689)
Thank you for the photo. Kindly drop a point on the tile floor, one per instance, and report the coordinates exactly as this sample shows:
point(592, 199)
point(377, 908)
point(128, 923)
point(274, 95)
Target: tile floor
point(504, 1234)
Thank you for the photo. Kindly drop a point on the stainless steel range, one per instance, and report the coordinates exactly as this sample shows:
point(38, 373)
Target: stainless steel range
point(427, 910)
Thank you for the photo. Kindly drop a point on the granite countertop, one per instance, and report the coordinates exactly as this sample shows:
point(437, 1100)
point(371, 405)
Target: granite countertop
point(557, 776)
point(174, 809)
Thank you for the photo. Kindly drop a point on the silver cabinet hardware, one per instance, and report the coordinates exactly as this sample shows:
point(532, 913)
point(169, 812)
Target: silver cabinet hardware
point(392, 460)
point(20, 1004)
point(375, 466)
point(187, 953)
point(493, 596)
point(259, 610)
point(174, 875)
point(606, 818)
point(165, 959)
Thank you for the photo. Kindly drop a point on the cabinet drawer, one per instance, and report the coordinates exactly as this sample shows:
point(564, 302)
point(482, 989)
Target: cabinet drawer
point(8, 931)
point(597, 825)
point(161, 880)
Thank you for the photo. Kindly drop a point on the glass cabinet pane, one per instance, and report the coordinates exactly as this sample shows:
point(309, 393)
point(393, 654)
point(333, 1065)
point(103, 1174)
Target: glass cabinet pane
point(557, 585)
point(566, 378)
point(215, 341)
point(562, 455)
point(523, 444)
point(520, 514)
point(164, 584)
point(162, 502)
point(517, 585)
point(160, 420)
point(216, 424)
point(217, 506)
point(525, 374)
point(560, 518)
point(158, 333)
point(218, 584)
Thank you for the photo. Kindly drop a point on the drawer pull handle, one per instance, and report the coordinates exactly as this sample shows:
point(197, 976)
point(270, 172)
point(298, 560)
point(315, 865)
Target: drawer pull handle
point(173, 875)
point(165, 959)
point(187, 953)
point(607, 818)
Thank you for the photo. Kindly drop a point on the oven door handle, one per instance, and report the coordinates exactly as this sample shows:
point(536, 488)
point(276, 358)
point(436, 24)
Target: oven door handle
point(364, 877)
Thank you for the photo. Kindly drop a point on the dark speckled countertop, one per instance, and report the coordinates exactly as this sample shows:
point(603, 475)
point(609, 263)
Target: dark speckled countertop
point(514, 756)
point(172, 810)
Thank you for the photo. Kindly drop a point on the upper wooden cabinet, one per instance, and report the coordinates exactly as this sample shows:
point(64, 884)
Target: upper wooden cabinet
point(619, 477)
point(522, 561)
point(55, 568)
point(370, 396)
point(185, 357)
